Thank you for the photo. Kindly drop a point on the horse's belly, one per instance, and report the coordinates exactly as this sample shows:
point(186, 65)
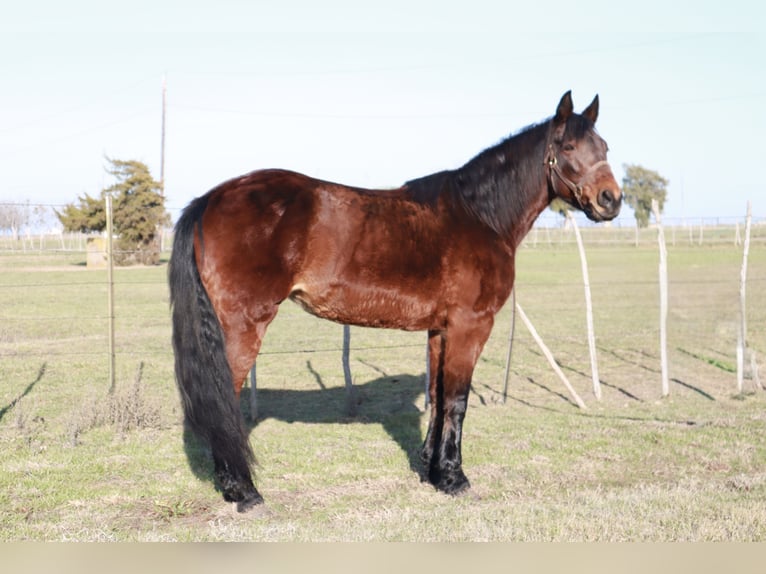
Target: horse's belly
point(367, 307)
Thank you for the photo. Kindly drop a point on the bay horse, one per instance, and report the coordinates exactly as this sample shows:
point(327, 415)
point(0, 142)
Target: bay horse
point(436, 254)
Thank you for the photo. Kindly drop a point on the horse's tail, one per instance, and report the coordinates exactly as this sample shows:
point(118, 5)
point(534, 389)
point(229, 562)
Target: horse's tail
point(202, 370)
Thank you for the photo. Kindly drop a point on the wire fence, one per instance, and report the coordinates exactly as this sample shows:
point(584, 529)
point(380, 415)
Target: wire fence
point(35, 226)
point(54, 309)
point(699, 233)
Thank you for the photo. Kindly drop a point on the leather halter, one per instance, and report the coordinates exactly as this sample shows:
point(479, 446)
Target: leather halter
point(553, 164)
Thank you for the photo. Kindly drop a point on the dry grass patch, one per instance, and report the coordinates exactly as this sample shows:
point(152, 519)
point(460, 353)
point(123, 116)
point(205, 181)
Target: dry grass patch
point(124, 409)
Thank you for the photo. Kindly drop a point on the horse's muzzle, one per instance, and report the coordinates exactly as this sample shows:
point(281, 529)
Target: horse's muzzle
point(609, 202)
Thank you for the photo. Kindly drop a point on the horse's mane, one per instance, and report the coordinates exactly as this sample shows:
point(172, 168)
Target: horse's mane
point(497, 185)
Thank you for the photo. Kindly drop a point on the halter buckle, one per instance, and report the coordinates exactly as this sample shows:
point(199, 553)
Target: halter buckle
point(574, 188)
point(552, 159)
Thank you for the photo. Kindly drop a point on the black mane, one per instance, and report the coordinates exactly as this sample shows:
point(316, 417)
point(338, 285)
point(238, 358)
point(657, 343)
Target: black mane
point(496, 186)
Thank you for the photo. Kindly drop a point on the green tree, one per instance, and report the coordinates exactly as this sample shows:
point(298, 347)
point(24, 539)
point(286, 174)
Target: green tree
point(139, 212)
point(87, 216)
point(560, 206)
point(639, 187)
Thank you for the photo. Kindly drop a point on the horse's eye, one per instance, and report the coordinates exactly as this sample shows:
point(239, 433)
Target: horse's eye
point(568, 147)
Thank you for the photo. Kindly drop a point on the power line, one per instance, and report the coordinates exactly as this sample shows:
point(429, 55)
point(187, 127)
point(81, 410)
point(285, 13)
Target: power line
point(77, 134)
point(82, 105)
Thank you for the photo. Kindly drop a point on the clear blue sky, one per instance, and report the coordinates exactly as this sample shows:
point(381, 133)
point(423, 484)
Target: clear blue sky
point(375, 93)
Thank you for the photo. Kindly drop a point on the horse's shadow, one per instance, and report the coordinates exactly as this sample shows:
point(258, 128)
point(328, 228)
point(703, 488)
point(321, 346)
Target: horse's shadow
point(389, 401)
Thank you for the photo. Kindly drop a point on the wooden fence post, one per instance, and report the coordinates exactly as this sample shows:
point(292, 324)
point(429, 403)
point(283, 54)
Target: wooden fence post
point(588, 309)
point(549, 356)
point(110, 289)
point(350, 406)
point(510, 345)
point(742, 335)
point(253, 395)
point(427, 400)
point(346, 358)
point(663, 300)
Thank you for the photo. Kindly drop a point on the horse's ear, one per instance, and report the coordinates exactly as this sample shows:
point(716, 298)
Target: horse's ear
point(564, 110)
point(591, 112)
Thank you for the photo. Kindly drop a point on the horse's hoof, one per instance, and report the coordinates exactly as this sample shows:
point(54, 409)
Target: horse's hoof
point(249, 502)
point(452, 483)
point(456, 488)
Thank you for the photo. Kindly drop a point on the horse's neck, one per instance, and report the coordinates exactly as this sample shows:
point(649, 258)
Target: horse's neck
point(537, 195)
point(524, 224)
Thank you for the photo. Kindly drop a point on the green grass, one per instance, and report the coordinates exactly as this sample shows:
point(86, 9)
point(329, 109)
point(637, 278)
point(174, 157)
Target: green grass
point(76, 464)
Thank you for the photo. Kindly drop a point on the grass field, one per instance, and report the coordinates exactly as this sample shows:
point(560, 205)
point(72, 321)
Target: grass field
point(78, 464)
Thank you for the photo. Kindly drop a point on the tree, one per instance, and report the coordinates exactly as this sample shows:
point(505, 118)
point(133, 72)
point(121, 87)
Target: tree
point(560, 206)
point(87, 217)
point(139, 211)
point(639, 187)
point(13, 216)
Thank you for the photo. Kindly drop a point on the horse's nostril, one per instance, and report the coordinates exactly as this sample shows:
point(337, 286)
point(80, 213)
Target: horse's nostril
point(606, 199)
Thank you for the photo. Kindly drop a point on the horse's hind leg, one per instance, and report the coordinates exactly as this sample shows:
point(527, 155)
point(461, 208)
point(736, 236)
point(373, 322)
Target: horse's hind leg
point(243, 342)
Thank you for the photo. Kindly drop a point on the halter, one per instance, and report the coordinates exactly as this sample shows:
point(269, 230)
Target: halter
point(553, 163)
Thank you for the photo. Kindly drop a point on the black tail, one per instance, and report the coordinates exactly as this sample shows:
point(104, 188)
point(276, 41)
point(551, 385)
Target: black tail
point(203, 374)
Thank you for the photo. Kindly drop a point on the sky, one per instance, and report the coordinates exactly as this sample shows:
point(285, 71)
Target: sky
point(376, 93)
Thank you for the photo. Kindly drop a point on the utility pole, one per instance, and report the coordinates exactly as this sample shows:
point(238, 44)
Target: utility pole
point(160, 229)
point(162, 145)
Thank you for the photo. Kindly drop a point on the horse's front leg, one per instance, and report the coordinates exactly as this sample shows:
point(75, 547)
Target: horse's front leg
point(436, 363)
point(451, 371)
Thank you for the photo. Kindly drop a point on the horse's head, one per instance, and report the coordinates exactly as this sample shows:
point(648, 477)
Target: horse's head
point(576, 163)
